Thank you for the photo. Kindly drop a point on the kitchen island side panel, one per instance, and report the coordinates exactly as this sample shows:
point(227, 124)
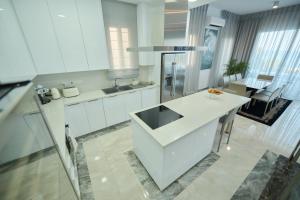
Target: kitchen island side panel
point(148, 151)
point(184, 153)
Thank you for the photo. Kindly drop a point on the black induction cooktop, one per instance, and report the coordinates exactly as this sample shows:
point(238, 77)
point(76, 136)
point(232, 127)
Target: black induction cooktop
point(158, 116)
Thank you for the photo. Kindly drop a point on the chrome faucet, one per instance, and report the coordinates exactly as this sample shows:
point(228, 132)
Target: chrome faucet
point(116, 85)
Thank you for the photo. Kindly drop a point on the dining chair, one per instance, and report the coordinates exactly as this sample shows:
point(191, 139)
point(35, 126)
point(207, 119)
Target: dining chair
point(266, 98)
point(240, 89)
point(227, 124)
point(238, 76)
point(265, 77)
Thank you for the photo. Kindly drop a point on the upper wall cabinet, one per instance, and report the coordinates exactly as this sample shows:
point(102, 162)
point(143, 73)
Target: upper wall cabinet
point(69, 34)
point(91, 20)
point(36, 23)
point(15, 59)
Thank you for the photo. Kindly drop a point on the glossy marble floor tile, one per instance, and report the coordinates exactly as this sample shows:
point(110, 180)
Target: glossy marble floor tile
point(113, 178)
point(40, 177)
point(152, 191)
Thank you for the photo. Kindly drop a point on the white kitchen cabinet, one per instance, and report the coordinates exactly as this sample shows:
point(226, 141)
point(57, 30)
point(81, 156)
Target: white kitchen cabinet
point(77, 119)
point(36, 23)
point(150, 97)
point(39, 130)
point(95, 114)
point(91, 20)
point(114, 108)
point(15, 59)
point(67, 27)
point(133, 102)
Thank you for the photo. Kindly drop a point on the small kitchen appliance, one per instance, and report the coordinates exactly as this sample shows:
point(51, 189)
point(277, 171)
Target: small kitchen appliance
point(70, 90)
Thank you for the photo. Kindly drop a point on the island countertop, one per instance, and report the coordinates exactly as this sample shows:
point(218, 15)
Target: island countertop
point(197, 109)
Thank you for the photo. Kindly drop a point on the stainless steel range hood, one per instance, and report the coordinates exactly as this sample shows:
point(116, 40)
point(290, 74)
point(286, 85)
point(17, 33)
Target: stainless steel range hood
point(175, 23)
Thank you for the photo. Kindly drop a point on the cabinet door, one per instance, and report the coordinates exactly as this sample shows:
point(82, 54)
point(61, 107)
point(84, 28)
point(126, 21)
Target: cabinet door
point(38, 29)
point(15, 59)
point(133, 102)
point(95, 114)
point(77, 119)
point(68, 30)
point(114, 108)
point(39, 130)
point(91, 20)
point(150, 97)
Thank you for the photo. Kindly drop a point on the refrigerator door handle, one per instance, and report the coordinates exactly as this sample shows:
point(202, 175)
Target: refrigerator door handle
point(173, 79)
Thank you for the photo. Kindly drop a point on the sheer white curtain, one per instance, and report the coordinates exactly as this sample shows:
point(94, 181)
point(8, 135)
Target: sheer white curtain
point(224, 47)
point(195, 37)
point(276, 50)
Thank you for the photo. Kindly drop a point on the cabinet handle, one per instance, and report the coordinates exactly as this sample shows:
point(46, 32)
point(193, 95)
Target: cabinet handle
point(73, 104)
point(33, 113)
point(132, 92)
point(112, 96)
point(93, 100)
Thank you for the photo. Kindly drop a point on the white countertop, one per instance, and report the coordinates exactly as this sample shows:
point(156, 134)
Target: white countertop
point(197, 109)
point(54, 111)
point(97, 94)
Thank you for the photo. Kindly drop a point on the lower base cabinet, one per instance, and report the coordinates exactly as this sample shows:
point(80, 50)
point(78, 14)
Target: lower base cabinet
point(150, 97)
point(77, 119)
point(133, 102)
point(114, 109)
point(97, 114)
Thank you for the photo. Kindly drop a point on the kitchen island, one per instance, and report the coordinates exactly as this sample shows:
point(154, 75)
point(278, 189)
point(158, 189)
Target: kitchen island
point(172, 138)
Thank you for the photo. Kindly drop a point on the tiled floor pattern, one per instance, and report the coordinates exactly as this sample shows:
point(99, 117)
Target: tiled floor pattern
point(153, 192)
point(113, 178)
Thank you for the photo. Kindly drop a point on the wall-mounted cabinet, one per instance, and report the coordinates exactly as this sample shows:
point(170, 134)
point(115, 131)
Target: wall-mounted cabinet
point(67, 27)
point(36, 23)
point(15, 59)
point(91, 20)
point(51, 36)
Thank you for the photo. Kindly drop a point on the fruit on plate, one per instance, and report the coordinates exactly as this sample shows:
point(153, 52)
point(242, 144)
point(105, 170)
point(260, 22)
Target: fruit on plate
point(214, 91)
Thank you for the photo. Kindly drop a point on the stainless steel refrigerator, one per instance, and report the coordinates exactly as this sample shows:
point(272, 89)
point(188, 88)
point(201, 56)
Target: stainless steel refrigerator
point(172, 75)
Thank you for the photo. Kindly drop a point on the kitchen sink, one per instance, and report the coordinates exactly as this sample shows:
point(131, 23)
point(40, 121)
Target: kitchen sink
point(110, 90)
point(125, 87)
point(117, 89)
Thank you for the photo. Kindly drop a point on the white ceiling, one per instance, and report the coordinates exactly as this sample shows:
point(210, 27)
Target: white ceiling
point(249, 6)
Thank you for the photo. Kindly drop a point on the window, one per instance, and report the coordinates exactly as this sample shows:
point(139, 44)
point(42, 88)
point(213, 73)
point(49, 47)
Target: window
point(277, 53)
point(121, 32)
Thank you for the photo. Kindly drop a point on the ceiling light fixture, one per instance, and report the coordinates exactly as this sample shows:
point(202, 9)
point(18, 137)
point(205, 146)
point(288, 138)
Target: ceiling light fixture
point(275, 4)
point(192, 0)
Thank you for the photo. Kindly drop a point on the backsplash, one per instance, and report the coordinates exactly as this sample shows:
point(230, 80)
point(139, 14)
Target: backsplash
point(85, 81)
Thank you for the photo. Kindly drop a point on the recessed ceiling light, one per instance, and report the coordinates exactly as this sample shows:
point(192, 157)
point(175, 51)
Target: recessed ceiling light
point(192, 0)
point(275, 4)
